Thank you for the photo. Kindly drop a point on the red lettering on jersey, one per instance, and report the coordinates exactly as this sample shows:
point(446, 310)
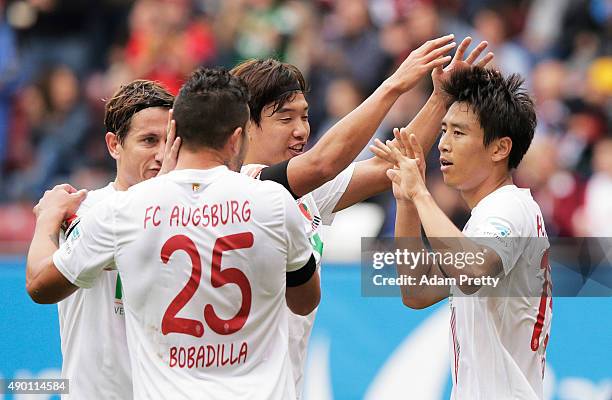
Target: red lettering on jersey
point(200, 357)
point(205, 216)
point(227, 213)
point(185, 221)
point(154, 218)
point(207, 356)
point(246, 211)
point(190, 357)
point(540, 225)
point(197, 216)
point(214, 216)
point(546, 288)
point(243, 352)
point(221, 277)
point(172, 356)
point(235, 215)
point(174, 216)
point(211, 360)
point(224, 360)
point(170, 322)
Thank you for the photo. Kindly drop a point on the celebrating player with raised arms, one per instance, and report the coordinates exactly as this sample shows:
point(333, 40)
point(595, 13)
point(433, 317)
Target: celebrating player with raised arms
point(323, 180)
point(209, 259)
point(499, 331)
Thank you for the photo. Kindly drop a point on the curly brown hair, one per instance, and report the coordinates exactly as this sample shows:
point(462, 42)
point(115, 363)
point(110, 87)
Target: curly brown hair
point(130, 99)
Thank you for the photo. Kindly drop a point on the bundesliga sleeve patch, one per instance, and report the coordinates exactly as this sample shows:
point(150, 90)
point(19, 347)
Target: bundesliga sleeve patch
point(499, 227)
point(72, 237)
point(72, 224)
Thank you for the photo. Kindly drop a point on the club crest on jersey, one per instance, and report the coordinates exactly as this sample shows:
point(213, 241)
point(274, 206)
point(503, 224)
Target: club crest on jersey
point(195, 187)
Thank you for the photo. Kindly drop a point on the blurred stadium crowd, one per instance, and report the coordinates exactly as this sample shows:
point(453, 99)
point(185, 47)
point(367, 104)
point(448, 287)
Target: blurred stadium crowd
point(59, 60)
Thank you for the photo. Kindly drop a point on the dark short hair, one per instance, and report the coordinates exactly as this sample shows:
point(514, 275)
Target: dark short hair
point(270, 82)
point(503, 106)
point(130, 99)
point(209, 107)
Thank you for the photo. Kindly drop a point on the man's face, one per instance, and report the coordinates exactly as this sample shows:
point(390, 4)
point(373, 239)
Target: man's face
point(464, 161)
point(142, 151)
point(282, 135)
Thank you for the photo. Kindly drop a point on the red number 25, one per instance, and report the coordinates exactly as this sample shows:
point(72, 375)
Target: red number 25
point(172, 323)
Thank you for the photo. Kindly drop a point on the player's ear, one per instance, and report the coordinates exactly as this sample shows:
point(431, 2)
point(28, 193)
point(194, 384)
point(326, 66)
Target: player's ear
point(501, 149)
point(112, 144)
point(235, 140)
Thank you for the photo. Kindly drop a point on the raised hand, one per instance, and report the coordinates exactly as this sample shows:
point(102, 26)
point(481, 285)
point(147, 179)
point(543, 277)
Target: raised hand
point(429, 56)
point(407, 156)
point(171, 148)
point(441, 75)
point(407, 145)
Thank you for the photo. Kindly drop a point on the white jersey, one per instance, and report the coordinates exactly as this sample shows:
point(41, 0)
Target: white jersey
point(92, 330)
point(317, 209)
point(499, 335)
point(203, 257)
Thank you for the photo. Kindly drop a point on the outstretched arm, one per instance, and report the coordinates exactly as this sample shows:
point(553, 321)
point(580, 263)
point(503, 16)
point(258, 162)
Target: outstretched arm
point(369, 177)
point(345, 140)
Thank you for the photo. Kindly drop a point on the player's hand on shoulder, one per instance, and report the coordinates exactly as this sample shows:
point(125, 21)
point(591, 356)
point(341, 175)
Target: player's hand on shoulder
point(60, 202)
point(430, 55)
point(172, 146)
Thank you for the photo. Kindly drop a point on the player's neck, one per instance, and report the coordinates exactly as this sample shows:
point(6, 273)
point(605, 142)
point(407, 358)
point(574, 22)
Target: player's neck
point(473, 196)
point(200, 159)
point(120, 185)
point(253, 158)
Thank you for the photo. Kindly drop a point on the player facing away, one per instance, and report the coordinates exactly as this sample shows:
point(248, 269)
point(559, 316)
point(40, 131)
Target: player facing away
point(498, 333)
point(92, 321)
point(209, 259)
point(322, 179)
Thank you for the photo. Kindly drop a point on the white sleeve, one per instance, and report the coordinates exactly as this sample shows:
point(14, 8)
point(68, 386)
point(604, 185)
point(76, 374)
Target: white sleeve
point(327, 196)
point(89, 247)
point(502, 230)
point(299, 249)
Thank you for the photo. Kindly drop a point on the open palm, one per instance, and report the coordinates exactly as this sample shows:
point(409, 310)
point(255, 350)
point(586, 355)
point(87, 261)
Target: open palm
point(440, 75)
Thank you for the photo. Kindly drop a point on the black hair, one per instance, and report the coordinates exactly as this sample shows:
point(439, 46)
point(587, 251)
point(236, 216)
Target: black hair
point(502, 105)
point(209, 107)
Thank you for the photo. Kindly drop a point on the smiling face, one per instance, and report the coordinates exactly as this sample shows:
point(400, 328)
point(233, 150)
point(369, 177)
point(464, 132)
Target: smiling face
point(140, 155)
point(465, 162)
point(280, 135)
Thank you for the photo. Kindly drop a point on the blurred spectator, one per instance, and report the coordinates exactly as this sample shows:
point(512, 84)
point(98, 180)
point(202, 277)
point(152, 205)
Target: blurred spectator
point(510, 57)
point(598, 207)
point(58, 132)
point(166, 43)
point(342, 97)
point(9, 78)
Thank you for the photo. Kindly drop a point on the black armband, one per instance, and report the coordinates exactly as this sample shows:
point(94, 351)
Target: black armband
point(278, 174)
point(302, 275)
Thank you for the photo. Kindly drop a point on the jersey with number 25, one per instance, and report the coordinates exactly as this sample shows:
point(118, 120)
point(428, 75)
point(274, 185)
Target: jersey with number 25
point(204, 257)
